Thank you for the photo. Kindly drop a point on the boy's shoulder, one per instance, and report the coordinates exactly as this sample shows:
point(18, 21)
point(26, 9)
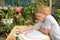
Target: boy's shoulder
point(51, 19)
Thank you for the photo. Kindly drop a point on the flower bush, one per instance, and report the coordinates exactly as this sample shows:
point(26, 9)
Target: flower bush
point(24, 17)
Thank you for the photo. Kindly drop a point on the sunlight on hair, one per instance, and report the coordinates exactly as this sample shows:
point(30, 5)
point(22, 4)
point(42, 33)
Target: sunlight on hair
point(42, 8)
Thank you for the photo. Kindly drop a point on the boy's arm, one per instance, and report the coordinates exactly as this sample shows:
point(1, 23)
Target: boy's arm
point(47, 26)
point(30, 28)
point(44, 30)
point(27, 28)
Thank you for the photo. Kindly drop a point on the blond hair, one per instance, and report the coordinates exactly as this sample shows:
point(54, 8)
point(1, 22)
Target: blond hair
point(42, 8)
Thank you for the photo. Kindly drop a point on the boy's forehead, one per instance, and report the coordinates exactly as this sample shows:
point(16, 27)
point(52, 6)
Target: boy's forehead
point(39, 13)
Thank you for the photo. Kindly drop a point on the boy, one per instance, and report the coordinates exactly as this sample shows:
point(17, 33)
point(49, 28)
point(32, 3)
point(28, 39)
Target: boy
point(46, 22)
point(49, 24)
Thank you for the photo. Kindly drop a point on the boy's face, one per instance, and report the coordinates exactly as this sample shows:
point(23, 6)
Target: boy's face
point(40, 16)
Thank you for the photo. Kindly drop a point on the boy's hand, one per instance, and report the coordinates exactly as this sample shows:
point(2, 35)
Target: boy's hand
point(21, 30)
point(44, 30)
point(26, 29)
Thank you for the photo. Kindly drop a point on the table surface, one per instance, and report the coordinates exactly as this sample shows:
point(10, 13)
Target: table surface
point(13, 31)
point(12, 36)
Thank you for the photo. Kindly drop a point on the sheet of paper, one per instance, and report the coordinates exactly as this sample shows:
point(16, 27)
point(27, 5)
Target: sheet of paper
point(34, 35)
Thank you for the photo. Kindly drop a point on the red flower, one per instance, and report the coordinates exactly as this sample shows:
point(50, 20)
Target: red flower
point(18, 9)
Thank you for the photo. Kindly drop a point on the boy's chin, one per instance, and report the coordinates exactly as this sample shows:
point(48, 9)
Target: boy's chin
point(36, 21)
point(41, 20)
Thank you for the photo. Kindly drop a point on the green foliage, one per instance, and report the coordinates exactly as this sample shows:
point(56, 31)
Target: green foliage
point(26, 15)
point(24, 18)
point(2, 14)
point(7, 28)
point(8, 14)
point(57, 16)
point(28, 12)
point(17, 2)
point(40, 1)
point(19, 20)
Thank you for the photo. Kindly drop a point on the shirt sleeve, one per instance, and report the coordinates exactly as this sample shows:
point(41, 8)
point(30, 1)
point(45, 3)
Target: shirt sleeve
point(47, 24)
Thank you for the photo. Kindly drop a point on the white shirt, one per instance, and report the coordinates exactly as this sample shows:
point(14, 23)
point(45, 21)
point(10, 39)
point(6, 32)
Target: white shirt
point(51, 23)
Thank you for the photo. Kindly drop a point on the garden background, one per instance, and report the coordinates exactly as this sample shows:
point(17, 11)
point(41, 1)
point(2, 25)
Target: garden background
point(21, 12)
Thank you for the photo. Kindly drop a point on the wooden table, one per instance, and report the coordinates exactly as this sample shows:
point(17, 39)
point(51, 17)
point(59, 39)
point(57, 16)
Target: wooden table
point(12, 34)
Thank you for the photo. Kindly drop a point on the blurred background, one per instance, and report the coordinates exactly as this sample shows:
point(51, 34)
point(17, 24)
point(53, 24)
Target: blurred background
point(21, 12)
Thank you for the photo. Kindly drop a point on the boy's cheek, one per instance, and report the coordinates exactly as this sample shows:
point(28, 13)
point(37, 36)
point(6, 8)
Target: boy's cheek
point(42, 18)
